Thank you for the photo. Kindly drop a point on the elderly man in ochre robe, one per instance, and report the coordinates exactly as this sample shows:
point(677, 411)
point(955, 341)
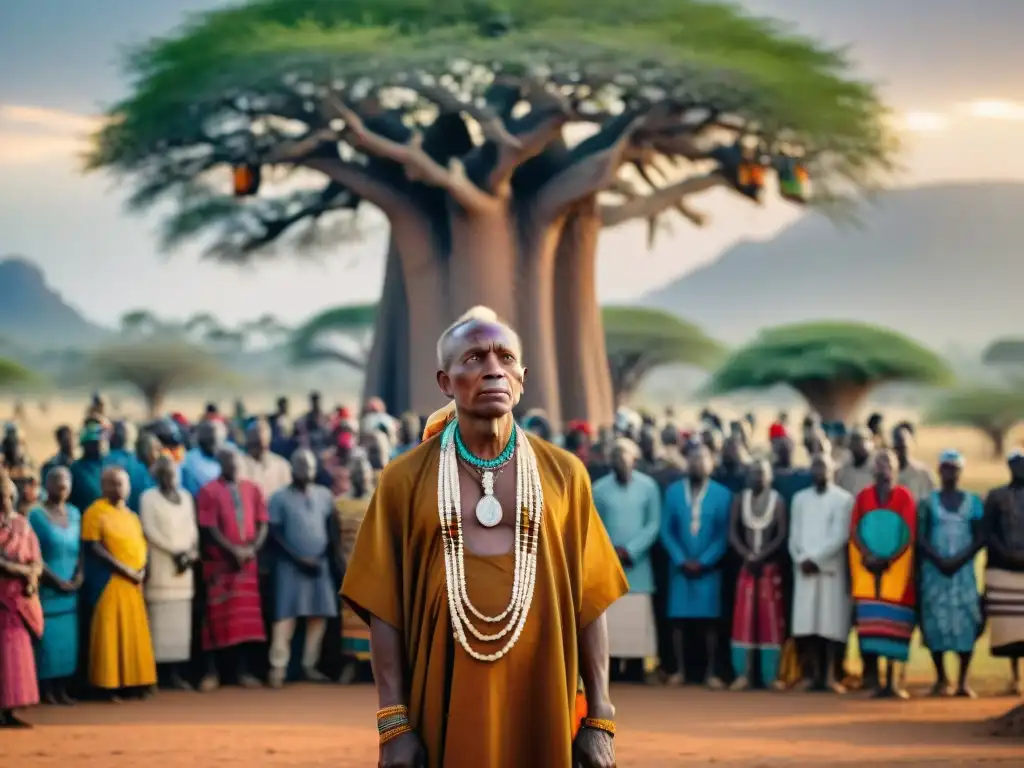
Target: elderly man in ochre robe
point(519, 543)
point(819, 535)
point(629, 503)
point(695, 534)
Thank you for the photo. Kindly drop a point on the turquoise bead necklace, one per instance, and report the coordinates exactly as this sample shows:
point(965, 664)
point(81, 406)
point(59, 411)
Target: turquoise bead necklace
point(483, 464)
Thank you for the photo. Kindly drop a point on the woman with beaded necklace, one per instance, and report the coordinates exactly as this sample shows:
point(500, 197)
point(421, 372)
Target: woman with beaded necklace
point(484, 573)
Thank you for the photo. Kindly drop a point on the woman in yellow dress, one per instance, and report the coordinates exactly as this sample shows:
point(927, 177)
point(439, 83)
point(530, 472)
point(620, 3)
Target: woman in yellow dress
point(120, 647)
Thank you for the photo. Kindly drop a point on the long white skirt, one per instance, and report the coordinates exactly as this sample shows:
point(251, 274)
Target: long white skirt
point(631, 633)
point(170, 624)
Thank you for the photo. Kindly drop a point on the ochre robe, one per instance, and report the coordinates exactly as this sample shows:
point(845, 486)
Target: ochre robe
point(519, 710)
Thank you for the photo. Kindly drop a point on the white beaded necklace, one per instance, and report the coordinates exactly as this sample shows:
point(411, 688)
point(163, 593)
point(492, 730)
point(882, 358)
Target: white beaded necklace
point(529, 505)
point(758, 524)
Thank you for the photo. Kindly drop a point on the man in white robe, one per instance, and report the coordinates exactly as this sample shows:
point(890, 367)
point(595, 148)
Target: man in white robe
point(629, 504)
point(819, 535)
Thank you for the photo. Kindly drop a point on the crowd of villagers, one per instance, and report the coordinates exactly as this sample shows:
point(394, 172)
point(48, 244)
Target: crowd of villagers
point(185, 554)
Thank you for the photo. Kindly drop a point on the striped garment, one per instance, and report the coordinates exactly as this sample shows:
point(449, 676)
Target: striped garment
point(234, 612)
point(1004, 604)
point(885, 628)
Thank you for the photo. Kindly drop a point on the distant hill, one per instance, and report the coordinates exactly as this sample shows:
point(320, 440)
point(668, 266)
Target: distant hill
point(942, 263)
point(34, 316)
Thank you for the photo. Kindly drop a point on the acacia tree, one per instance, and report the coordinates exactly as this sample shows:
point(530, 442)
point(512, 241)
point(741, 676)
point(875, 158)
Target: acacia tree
point(639, 340)
point(14, 374)
point(340, 335)
point(155, 368)
point(450, 118)
point(991, 410)
point(833, 365)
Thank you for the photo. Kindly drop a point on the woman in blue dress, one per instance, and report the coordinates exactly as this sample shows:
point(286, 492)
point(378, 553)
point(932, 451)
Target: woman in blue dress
point(950, 535)
point(58, 526)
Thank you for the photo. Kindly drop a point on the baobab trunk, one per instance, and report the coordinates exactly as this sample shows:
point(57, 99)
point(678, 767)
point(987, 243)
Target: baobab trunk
point(482, 263)
point(536, 312)
point(584, 379)
point(836, 401)
point(420, 242)
point(387, 368)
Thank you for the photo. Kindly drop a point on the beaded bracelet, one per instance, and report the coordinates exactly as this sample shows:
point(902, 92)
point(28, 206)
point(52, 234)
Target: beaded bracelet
point(392, 722)
point(394, 733)
point(598, 724)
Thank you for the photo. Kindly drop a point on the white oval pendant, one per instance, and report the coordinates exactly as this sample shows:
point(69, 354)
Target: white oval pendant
point(488, 511)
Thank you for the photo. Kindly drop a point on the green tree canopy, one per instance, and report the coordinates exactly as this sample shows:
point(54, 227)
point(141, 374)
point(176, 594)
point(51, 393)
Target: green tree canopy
point(155, 368)
point(450, 116)
point(991, 410)
point(639, 340)
point(833, 365)
point(336, 335)
point(14, 374)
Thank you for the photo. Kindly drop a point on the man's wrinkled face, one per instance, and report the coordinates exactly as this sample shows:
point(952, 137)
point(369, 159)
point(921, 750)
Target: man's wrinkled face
point(484, 373)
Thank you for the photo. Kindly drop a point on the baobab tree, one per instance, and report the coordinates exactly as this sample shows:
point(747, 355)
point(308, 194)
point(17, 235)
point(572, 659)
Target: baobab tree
point(342, 335)
point(834, 366)
point(455, 119)
point(640, 340)
point(993, 411)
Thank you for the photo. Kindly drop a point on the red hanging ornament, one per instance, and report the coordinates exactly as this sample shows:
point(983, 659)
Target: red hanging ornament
point(246, 179)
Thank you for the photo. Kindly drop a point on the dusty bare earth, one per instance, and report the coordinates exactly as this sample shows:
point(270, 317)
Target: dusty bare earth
point(660, 728)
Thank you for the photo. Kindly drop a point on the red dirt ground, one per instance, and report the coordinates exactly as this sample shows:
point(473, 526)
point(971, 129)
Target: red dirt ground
point(313, 726)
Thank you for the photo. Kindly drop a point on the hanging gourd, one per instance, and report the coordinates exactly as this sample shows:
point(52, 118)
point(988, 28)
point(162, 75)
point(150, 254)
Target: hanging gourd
point(741, 169)
point(246, 178)
point(750, 179)
point(794, 180)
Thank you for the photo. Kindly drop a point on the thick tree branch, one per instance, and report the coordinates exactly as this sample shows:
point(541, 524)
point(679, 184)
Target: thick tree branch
point(491, 124)
point(592, 167)
point(361, 181)
point(536, 131)
point(660, 200)
point(418, 165)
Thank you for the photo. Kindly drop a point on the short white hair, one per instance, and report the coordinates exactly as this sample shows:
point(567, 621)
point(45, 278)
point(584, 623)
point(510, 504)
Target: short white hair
point(477, 314)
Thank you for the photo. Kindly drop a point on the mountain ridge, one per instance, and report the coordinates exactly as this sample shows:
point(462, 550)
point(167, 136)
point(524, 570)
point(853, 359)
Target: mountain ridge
point(33, 315)
point(922, 261)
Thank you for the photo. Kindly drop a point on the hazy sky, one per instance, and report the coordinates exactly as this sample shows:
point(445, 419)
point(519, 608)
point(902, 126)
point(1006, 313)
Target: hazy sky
point(951, 68)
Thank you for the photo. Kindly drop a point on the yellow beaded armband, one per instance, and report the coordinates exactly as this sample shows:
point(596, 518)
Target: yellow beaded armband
point(597, 724)
point(392, 722)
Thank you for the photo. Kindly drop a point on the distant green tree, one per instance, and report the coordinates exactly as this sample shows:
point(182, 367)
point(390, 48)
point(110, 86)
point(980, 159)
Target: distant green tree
point(140, 322)
point(13, 374)
point(833, 365)
point(639, 340)
point(155, 368)
point(339, 335)
point(993, 411)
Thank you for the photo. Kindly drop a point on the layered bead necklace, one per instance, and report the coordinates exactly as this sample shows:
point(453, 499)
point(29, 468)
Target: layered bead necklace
point(529, 509)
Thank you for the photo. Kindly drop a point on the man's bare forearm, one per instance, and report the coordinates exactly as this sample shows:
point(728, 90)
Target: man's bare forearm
point(387, 658)
point(594, 668)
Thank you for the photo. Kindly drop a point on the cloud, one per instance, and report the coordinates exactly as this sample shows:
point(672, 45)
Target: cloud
point(30, 134)
point(26, 148)
point(922, 122)
point(51, 120)
point(994, 109)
